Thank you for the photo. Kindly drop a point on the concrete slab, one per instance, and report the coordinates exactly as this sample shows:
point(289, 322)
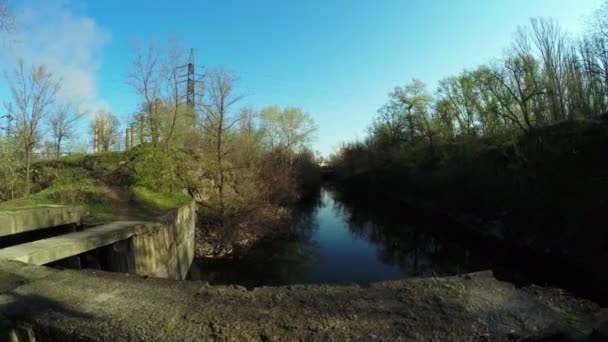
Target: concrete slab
point(56, 248)
point(20, 220)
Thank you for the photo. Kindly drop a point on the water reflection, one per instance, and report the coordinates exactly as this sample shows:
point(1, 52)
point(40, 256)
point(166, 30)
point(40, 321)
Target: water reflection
point(412, 247)
point(332, 239)
point(290, 259)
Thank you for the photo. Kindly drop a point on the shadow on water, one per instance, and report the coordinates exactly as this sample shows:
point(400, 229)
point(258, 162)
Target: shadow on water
point(286, 260)
point(334, 238)
point(402, 240)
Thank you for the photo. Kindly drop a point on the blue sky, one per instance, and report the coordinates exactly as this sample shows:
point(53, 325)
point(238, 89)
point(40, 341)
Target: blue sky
point(336, 59)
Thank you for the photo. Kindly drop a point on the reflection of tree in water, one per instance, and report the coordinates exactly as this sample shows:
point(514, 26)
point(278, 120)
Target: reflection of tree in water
point(302, 224)
point(415, 250)
point(289, 259)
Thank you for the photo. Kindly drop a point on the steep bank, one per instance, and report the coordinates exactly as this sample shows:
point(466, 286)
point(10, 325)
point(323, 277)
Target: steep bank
point(217, 242)
point(543, 192)
point(268, 222)
point(106, 183)
point(147, 181)
point(71, 305)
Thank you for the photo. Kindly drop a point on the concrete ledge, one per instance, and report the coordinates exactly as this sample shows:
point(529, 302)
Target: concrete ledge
point(163, 249)
point(25, 271)
point(98, 306)
point(56, 248)
point(20, 220)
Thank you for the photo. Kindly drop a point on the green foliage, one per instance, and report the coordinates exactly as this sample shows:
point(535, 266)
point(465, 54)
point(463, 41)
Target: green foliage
point(520, 142)
point(290, 128)
point(550, 181)
point(12, 184)
point(158, 168)
point(73, 159)
point(82, 193)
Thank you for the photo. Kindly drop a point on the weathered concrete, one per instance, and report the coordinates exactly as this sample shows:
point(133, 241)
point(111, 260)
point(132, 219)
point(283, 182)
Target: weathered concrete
point(167, 252)
point(97, 306)
point(59, 247)
point(20, 220)
point(162, 249)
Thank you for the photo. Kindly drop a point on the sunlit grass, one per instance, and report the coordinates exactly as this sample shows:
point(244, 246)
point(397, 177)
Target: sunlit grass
point(85, 193)
point(158, 201)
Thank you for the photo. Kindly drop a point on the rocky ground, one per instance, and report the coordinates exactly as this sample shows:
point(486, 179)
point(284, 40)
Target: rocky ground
point(96, 306)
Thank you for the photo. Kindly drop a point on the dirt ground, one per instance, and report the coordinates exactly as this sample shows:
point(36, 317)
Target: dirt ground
point(98, 306)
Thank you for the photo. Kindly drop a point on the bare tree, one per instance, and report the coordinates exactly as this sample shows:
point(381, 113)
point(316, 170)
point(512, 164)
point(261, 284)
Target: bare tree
point(170, 71)
point(218, 122)
point(550, 43)
point(106, 126)
point(516, 86)
point(250, 135)
point(145, 78)
point(34, 92)
point(595, 53)
point(62, 124)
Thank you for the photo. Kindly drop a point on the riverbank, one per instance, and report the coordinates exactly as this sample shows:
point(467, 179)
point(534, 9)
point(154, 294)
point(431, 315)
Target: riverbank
point(541, 194)
point(268, 222)
point(84, 305)
point(537, 261)
point(219, 242)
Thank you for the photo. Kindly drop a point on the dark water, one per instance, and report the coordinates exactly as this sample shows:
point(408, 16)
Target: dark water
point(336, 241)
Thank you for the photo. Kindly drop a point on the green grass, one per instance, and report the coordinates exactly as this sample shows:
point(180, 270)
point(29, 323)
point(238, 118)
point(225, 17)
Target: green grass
point(75, 180)
point(158, 201)
point(76, 193)
point(74, 159)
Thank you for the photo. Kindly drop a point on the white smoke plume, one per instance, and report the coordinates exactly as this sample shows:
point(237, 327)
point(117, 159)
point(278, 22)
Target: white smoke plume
point(55, 33)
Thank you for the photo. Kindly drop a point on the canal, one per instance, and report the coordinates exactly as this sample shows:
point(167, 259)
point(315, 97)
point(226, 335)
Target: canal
point(332, 240)
point(335, 238)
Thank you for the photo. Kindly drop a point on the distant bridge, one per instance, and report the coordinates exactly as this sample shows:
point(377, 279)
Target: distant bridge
point(327, 173)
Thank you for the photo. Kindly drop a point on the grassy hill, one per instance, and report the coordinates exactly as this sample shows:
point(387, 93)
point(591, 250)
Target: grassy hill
point(109, 184)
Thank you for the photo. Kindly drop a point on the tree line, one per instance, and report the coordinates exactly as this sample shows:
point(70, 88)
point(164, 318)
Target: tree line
point(545, 77)
point(232, 157)
point(517, 145)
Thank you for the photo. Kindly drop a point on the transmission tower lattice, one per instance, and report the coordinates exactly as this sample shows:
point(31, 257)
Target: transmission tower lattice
point(191, 78)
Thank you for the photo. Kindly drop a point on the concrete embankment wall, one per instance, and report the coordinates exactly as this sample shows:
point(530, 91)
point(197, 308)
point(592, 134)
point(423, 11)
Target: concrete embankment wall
point(166, 250)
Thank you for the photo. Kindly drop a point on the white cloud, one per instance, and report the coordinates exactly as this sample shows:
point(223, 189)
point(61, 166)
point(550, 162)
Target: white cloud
point(71, 44)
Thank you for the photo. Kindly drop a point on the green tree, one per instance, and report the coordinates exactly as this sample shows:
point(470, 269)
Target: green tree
point(12, 161)
point(290, 130)
point(459, 90)
point(413, 102)
point(145, 79)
